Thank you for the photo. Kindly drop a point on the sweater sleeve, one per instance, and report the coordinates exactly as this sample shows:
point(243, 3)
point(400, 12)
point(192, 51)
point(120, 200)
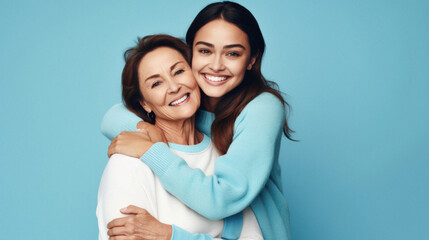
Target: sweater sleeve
point(118, 119)
point(120, 186)
point(239, 175)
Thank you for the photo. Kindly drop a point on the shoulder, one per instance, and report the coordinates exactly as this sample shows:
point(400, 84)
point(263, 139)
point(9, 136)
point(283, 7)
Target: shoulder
point(265, 106)
point(122, 161)
point(121, 166)
point(266, 100)
point(264, 115)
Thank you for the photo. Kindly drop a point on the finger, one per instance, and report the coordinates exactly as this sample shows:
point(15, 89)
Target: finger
point(140, 124)
point(121, 237)
point(143, 134)
point(131, 209)
point(111, 146)
point(117, 231)
point(144, 125)
point(110, 151)
point(118, 222)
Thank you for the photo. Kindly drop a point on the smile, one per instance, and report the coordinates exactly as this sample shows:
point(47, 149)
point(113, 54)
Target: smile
point(215, 80)
point(180, 100)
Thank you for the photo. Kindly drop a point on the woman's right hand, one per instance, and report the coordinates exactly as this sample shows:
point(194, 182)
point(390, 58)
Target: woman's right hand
point(133, 144)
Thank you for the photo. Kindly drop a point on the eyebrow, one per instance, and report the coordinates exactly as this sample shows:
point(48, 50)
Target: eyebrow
point(174, 65)
point(225, 47)
point(157, 75)
point(153, 76)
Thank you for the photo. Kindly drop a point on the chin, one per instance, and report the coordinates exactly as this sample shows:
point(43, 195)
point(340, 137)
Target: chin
point(215, 94)
point(188, 113)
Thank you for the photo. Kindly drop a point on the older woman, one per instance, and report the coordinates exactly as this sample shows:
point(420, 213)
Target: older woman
point(159, 87)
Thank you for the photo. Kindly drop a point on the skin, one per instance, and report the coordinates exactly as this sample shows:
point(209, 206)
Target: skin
point(221, 52)
point(165, 79)
point(221, 56)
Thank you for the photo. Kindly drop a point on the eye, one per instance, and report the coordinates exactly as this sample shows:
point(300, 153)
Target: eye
point(179, 72)
point(155, 84)
point(233, 54)
point(204, 51)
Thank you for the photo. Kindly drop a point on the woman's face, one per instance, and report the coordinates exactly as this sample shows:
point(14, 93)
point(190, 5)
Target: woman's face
point(221, 56)
point(168, 86)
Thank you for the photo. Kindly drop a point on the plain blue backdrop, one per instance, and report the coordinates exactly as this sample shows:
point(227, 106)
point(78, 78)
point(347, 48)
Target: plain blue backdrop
point(356, 74)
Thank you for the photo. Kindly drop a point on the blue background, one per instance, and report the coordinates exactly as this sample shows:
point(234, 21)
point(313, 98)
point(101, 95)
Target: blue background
point(356, 74)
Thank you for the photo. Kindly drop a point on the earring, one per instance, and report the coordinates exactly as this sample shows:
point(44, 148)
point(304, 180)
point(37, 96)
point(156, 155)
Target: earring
point(151, 115)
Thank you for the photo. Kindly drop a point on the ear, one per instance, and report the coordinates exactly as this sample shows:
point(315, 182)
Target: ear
point(145, 106)
point(251, 62)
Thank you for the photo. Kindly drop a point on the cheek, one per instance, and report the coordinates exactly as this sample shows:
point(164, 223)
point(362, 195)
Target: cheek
point(200, 81)
point(154, 97)
point(198, 62)
point(237, 67)
point(188, 79)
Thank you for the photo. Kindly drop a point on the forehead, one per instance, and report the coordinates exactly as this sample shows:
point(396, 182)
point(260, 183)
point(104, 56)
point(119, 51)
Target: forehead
point(221, 32)
point(159, 59)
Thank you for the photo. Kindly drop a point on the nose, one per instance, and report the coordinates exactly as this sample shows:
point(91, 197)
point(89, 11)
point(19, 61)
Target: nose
point(217, 63)
point(173, 86)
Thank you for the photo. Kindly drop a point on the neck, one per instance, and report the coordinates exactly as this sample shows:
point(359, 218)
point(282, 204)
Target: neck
point(180, 132)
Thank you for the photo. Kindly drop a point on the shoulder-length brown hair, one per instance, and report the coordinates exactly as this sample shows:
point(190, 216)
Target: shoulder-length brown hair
point(131, 93)
point(253, 84)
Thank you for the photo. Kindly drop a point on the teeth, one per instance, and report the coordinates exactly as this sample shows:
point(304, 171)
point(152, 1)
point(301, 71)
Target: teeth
point(215, 79)
point(179, 100)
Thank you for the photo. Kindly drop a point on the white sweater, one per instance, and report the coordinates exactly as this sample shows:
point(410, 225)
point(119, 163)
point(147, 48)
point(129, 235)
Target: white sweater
point(127, 180)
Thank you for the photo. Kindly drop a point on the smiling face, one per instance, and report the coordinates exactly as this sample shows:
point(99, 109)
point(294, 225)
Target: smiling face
point(221, 56)
point(168, 86)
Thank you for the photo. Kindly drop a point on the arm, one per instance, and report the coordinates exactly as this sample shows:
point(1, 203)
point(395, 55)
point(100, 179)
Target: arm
point(117, 119)
point(121, 186)
point(239, 175)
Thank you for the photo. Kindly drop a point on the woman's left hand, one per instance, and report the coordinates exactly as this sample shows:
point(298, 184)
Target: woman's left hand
point(139, 226)
point(133, 144)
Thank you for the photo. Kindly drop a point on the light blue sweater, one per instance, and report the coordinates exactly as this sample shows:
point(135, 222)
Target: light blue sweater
point(248, 174)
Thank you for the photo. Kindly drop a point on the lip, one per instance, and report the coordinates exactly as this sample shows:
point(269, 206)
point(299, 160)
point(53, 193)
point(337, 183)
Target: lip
point(181, 103)
point(215, 83)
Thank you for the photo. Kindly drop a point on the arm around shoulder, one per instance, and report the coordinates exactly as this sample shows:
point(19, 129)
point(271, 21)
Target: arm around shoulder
point(239, 175)
point(118, 119)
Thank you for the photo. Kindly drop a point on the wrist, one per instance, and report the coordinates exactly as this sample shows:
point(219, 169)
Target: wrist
point(146, 148)
point(169, 231)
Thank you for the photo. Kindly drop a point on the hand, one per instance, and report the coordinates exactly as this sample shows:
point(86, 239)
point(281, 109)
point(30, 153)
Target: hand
point(133, 144)
point(140, 225)
point(155, 133)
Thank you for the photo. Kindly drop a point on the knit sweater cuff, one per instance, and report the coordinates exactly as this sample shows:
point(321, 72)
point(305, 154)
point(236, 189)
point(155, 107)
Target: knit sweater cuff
point(159, 158)
point(181, 234)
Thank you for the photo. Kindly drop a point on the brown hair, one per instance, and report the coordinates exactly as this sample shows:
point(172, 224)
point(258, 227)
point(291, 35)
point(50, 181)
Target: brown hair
point(131, 93)
point(253, 84)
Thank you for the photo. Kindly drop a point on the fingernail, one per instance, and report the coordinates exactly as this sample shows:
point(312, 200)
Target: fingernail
point(123, 209)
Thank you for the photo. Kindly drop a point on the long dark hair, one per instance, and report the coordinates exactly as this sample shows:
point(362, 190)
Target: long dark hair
point(253, 84)
point(131, 93)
